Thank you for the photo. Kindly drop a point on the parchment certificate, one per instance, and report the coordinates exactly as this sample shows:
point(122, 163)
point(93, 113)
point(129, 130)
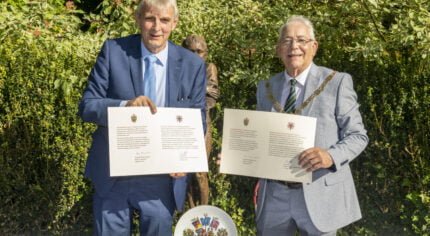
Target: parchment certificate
point(266, 144)
point(169, 141)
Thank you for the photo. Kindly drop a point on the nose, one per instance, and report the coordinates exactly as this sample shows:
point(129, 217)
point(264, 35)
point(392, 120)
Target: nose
point(157, 24)
point(294, 43)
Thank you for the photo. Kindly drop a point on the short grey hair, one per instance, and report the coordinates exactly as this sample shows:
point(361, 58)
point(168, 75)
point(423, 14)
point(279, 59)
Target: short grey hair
point(158, 4)
point(297, 18)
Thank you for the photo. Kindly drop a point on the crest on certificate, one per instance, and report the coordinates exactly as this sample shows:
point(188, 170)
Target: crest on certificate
point(179, 118)
point(133, 118)
point(246, 121)
point(290, 125)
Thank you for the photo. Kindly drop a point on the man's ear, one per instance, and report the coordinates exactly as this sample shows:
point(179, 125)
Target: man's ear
point(315, 46)
point(137, 20)
point(277, 50)
point(175, 23)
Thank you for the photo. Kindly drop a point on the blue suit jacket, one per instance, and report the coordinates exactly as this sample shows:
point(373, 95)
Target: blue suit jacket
point(117, 76)
point(331, 199)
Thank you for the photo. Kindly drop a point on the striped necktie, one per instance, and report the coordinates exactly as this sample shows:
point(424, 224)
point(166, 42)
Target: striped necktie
point(290, 104)
point(149, 77)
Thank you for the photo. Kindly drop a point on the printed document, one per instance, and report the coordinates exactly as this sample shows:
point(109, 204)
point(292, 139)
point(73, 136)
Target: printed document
point(169, 141)
point(266, 144)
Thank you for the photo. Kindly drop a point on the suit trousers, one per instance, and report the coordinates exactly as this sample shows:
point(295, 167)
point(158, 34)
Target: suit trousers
point(284, 212)
point(151, 196)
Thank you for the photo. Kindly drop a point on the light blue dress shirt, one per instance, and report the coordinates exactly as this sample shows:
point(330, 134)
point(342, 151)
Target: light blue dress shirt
point(160, 74)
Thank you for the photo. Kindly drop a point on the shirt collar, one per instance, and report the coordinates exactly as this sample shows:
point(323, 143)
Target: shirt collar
point(161, 56)
point(301, 78)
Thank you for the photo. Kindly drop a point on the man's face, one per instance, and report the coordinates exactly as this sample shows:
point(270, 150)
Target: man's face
point(199, 49)
point(296, 49)
point(156, 24)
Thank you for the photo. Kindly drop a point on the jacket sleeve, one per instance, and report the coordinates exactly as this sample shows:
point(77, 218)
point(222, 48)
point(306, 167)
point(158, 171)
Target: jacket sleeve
point(352, 134)
point(94, 103)
point(200, 93)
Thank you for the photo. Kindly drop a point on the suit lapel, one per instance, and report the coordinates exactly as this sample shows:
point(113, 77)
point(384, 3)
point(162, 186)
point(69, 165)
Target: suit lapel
point(174, 63)
point(135, 62)
point(312, 83)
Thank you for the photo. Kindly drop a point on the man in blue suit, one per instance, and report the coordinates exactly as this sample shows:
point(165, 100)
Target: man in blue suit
point(330, 201)
point(118, 78)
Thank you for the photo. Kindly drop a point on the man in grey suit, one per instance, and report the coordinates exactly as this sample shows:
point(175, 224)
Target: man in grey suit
point(330, 201)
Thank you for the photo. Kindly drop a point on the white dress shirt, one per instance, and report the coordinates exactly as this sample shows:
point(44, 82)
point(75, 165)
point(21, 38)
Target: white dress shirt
point(300, 86)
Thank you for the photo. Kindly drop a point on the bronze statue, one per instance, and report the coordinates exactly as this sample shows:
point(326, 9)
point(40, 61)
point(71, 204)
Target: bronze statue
point(197, 44)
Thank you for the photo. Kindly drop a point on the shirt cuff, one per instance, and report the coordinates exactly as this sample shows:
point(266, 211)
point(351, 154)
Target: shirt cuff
point(123, 103)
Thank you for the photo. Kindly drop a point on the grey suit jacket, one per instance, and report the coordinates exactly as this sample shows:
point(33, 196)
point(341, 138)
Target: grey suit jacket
point(331, 199)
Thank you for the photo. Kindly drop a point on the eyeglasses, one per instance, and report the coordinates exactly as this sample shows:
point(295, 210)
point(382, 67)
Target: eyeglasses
point(301, 42)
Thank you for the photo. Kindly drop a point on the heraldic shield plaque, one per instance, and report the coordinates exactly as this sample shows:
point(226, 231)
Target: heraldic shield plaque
point(205, 220)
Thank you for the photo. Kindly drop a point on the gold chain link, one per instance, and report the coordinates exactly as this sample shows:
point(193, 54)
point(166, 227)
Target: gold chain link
point(317, 92)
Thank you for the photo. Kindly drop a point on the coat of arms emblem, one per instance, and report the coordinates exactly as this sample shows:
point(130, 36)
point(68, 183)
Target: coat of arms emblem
point(179, 118)
point(246, 121)
point(133, 118)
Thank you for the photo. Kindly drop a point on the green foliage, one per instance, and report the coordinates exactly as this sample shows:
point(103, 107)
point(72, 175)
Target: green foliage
point(115, 19)
point(43, 67)
point(37, 19)
point(394, 88)
point(45, 59)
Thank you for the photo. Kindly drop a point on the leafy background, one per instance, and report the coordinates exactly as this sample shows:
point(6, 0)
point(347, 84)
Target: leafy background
point(47, 48)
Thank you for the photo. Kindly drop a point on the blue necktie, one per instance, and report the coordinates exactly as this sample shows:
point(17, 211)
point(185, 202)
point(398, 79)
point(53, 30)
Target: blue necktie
point(290, 104)
point(149, 78)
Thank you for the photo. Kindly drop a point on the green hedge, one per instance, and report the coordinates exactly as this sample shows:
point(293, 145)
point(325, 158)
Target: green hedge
point(45, 58)
point(43, 142)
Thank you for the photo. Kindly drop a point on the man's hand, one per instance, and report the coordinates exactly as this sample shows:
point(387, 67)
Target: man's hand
point(177, 175)
point(315, 158)
point(142, 101)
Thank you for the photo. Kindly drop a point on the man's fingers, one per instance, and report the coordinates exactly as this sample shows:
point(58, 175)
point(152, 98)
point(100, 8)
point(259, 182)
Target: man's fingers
point(177, 175)
point(314, 159)
point(152, 107)
point(143, 101)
